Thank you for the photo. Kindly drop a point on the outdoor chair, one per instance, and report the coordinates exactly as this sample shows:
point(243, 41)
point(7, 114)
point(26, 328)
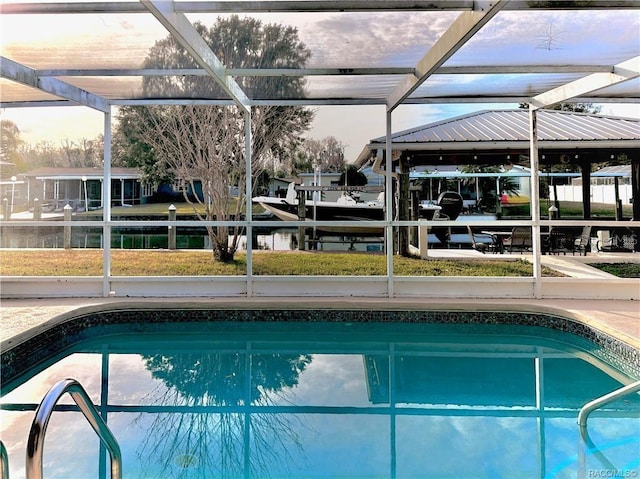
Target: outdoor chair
point(561, 240)
point(582, 243)
point(569, 240)
point(483, 242)
point(622, 240)
point(520, 239)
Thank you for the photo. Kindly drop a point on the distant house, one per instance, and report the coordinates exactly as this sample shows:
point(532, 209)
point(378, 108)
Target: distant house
point(7, 170)
point(607, 176)
point(81, 188)
point(10, 185)
point(278, 186)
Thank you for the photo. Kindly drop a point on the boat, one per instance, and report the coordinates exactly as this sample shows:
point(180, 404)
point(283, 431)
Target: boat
point(345, 208)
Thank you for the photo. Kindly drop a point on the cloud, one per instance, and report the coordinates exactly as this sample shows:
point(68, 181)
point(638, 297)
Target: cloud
point(373, 39)
point(572, 37)
point(351, 39)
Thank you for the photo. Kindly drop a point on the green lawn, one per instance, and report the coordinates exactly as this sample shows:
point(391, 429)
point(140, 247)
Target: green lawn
point(621, 270)
point(568, 209)
point(88, 262)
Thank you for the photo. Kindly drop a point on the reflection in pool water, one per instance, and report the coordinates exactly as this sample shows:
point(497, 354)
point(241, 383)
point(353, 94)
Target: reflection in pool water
point(334, 401)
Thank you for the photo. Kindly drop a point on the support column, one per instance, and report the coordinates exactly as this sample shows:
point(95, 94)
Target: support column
point(585, 171)
point(403, 206)
point(249, 195)
point(535, 202)
point(302, 215)
point(635, 193)
point(37, 216)
point(171, 241)
point(616, 196)
point(106, 212)
point(635, 187)
point(67, 228)
point(388, 188)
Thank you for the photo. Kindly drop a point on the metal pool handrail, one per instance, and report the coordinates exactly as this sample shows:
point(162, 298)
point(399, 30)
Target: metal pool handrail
point(35, 443)
point(602, 400)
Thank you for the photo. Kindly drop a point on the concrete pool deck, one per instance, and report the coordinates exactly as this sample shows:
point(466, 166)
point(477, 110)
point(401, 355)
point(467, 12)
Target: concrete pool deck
point(619, 319)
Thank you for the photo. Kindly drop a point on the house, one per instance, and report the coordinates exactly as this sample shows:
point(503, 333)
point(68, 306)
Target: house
point(82, 188)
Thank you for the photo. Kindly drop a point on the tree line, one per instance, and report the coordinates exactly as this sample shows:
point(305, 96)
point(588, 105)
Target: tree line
point(326, 153)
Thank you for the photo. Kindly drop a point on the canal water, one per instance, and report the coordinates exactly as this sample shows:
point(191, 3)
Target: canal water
point(284, 239)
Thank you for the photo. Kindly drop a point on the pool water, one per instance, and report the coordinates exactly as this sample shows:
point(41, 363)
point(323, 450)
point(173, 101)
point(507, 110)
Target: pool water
point(333, 401)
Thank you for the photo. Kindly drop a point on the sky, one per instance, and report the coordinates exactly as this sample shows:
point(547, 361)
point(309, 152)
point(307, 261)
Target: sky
point(351, 125)
point(335, 40)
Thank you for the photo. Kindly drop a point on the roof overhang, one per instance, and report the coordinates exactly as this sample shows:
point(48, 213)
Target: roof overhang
point(495, 148)
point(114, 176)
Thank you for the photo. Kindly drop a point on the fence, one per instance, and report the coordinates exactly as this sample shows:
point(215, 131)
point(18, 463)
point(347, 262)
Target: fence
point(599, 193)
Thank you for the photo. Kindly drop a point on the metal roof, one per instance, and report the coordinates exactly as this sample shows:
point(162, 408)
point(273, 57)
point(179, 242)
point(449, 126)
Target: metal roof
point(509, 129)
point(54, 173)
point(618, 170)
point(513, 125)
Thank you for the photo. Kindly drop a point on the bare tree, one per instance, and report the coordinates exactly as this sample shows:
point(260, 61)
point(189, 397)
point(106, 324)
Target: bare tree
point(205, 391)
point(204, 145)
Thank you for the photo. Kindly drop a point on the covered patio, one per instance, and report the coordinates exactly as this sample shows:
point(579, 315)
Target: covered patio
point(576, 141)
point(500, 139)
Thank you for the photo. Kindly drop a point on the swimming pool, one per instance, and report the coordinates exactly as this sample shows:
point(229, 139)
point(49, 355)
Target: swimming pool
point(392, 394)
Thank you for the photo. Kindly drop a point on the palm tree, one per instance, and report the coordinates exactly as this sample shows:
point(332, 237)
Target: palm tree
point(490, 188)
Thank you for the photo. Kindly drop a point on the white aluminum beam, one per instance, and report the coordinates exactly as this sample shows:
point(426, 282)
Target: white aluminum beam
point(318, 101)
point(460, 31)
point(314, 102)
point(239, 6)
point(621, 72)
point(257, 72)
point(19, 73)
point(346, 71)
point(271, 6)
point(185, 33)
